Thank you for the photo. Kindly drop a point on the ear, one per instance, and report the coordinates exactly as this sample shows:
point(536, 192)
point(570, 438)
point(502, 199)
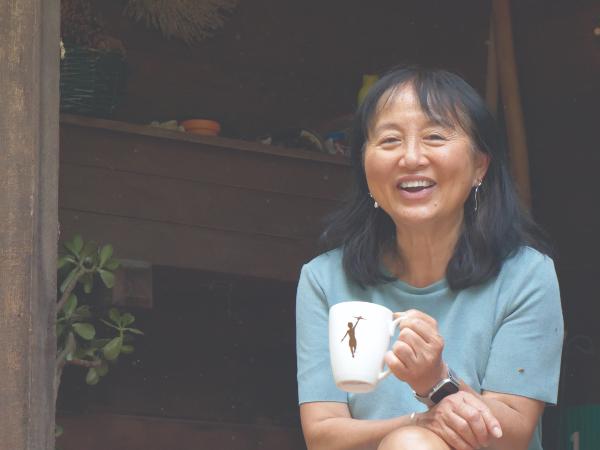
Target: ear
point(482, 162)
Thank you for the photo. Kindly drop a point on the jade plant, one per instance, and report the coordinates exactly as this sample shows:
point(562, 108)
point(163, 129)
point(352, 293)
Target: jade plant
point(79, 341)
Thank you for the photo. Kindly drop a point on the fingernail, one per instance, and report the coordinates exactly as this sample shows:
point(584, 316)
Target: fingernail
point(497, 432)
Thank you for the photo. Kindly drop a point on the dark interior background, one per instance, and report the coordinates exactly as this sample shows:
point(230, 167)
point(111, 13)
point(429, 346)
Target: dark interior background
point(219, 348)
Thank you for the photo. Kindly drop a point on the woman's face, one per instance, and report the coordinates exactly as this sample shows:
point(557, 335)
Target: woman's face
point(420, 172)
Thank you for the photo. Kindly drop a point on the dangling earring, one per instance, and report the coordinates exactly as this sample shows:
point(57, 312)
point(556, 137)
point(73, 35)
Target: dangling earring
point(375, 204)
point(476, 196)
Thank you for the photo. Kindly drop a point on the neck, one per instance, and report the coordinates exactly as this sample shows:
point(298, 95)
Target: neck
point(425, 252)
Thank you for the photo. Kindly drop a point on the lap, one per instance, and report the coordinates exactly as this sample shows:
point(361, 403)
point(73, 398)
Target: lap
point(413, 438)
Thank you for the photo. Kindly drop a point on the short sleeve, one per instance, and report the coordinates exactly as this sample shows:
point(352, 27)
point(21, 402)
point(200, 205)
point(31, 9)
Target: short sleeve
point(526, 349)
point(315, 379)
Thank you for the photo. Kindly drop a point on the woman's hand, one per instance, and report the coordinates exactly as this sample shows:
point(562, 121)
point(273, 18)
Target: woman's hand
point(416, 357)
point(463, 421)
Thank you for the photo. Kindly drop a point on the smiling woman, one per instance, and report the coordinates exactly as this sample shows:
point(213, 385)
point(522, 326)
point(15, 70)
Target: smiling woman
point(430, 127)
point(420, 171)
point(435, 232)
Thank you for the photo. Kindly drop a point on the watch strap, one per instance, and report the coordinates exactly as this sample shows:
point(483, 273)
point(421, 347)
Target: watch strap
point(430, 398)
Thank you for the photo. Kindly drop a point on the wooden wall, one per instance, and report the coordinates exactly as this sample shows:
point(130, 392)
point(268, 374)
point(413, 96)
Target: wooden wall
point(280, 64)
point(216, 369)
point(559, 68)
point(214, 204)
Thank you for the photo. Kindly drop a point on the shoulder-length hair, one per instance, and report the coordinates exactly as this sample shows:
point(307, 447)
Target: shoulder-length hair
point(499, 227)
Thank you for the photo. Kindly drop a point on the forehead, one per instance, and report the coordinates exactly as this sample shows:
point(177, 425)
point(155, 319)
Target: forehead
point(434, 107)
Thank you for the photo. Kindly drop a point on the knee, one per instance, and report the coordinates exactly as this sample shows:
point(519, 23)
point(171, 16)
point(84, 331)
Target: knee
point(412, 438)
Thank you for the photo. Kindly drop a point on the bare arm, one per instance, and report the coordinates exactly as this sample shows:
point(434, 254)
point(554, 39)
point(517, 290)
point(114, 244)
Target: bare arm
point(518, 417)
point(329, 426)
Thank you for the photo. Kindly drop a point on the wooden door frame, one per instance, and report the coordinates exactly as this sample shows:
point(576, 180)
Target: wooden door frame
point(29, 116)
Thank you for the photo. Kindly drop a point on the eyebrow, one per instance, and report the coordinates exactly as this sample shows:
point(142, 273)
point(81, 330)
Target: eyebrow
point(393, 126)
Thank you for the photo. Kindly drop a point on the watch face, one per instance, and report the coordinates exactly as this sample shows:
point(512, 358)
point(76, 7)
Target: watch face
point(446, 389)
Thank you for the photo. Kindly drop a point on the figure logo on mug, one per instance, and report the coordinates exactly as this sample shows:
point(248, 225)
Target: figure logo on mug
point(351, 333)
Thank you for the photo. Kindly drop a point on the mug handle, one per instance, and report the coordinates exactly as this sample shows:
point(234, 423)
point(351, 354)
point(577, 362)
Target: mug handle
point(393, 325)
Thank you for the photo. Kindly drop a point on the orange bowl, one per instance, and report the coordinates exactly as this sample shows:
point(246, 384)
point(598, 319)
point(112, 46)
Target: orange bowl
point(203, 131)
point(202, 126)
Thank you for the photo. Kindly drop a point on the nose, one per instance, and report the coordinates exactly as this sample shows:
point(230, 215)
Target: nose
point(413, 156)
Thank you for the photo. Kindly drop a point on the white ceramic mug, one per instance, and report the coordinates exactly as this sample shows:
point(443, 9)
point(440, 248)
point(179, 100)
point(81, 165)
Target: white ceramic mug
point(359, 336)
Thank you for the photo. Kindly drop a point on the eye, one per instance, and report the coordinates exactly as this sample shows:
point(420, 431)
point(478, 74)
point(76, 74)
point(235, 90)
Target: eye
point(389, 140)
point(435, 137)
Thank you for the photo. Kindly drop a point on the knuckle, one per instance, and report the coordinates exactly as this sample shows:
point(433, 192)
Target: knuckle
point(404, 332)
point(463, 427)
point(471, 415)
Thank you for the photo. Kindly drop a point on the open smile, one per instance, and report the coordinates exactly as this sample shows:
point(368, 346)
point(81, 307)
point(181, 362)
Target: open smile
point(415, 188)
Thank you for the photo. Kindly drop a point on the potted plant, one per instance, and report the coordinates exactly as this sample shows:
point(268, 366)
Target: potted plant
point(78, 319)
point(93, 71)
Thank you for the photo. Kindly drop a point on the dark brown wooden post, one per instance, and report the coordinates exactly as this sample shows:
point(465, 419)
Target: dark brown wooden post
point(29, 68)
point(511, 98)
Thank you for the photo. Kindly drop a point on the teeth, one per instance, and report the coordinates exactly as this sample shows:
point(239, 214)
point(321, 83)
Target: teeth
point(416, 183)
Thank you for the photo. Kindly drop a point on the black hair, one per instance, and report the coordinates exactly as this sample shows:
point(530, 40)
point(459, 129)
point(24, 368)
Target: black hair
point(499, 227)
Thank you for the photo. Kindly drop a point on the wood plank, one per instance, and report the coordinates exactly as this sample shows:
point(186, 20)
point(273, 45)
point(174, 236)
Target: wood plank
point(192, 203)
point(185, 246)
point(118, 432)
point(201, 161)
point(511, 97)
point(29, 38)
point(212, 141)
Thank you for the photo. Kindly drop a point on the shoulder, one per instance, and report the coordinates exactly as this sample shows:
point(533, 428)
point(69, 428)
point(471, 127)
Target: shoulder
point(325, 266)
point(527, 262)
point(327, 274)
point(528, 277)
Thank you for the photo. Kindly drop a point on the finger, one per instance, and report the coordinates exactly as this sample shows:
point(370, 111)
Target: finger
point(425, 330)
point(404, 354)
point(454, 440)
point(461, 427)
point(488, 417)
point(396, 365)
point(415, 313)
point(413, 340)
point(475, 420)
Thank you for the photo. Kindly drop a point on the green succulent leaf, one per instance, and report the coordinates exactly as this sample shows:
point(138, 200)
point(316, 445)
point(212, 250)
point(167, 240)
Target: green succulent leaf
point(105, 254)
point(108, 278)
point(89, 352)
point(99, 343)
point(114, 315)
point(113, 348)
point(88, 282)
point(75, 245)
point(127, 349)
point(127, 319)
point(109, 324)
point(69, 279)
point(89, 249)
point(64, 260)
point(85, 330)
point(60, 329)
point(70, 305)
point(134, 330)
point(112, 264)
point(103, 369)
point(92, 376)
point(82, 312)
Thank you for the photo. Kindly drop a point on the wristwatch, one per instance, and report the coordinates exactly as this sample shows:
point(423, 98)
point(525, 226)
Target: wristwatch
point(443, 388)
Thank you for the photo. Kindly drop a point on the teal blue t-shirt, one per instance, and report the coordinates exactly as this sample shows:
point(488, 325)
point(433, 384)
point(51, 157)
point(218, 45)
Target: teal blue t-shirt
point(504, 336)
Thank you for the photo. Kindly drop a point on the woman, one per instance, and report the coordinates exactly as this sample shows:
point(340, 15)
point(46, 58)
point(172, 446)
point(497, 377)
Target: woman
point(434, 230)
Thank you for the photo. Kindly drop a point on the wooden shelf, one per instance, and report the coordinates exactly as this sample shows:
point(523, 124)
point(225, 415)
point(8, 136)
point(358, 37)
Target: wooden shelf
point(209, 203)
point(232, 144)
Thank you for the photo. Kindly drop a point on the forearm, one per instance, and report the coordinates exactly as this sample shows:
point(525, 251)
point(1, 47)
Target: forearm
point(345, 433)
point(517, 426)
point(516, 431)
